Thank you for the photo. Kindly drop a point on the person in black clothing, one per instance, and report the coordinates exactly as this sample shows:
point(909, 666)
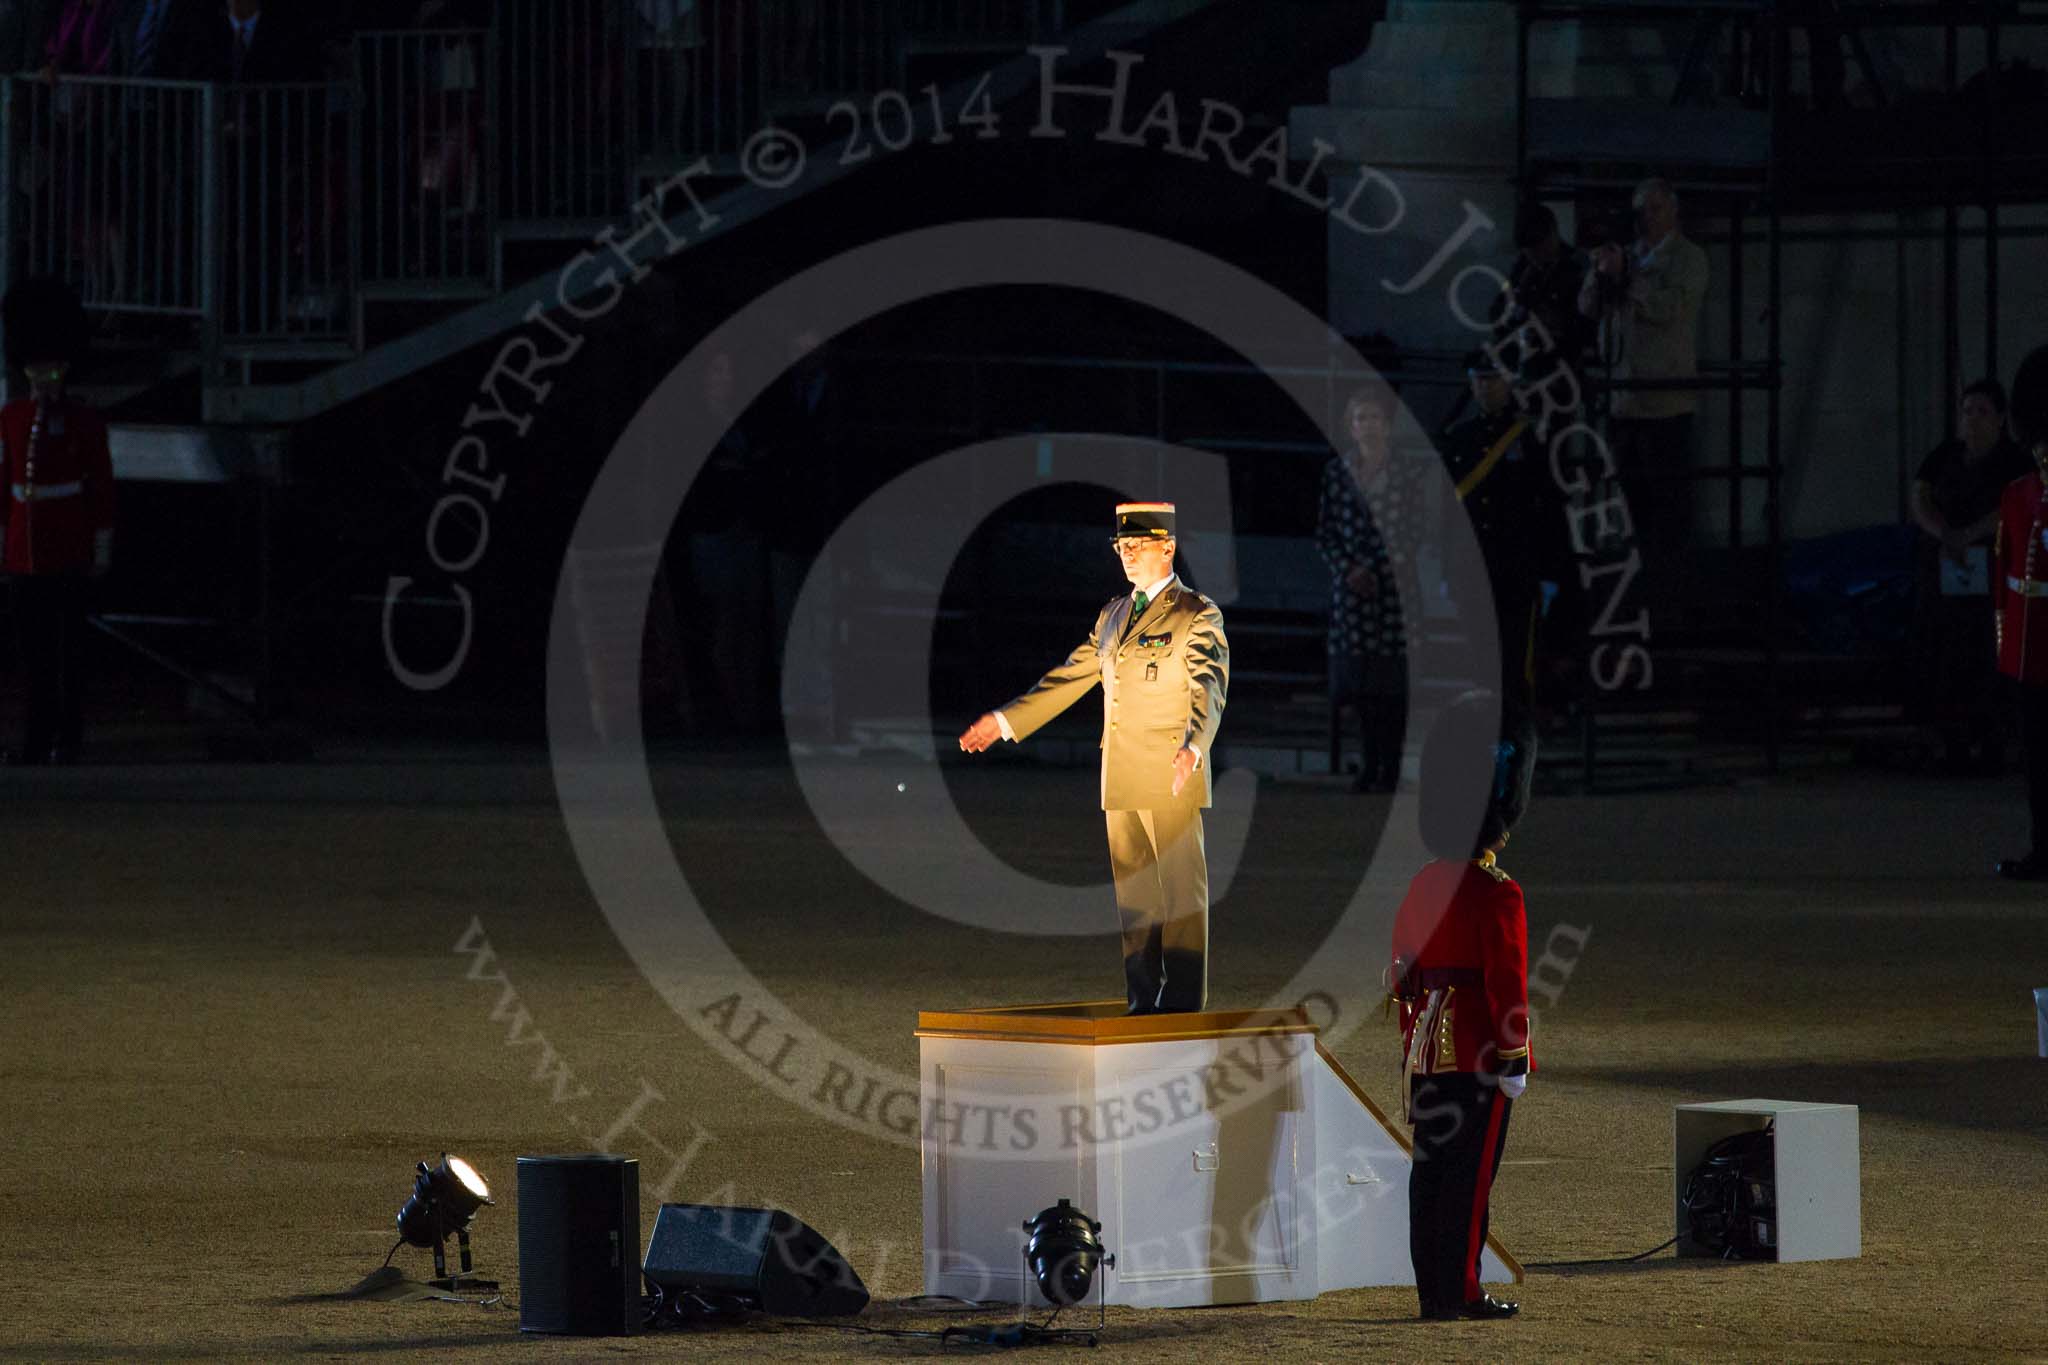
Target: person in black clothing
point(249, 43)
point(1502, 490)
point(1543, 286)
point(1955, 501)
point(256, 45)
point(278, 150)
point(161, 40)
point(726, 605)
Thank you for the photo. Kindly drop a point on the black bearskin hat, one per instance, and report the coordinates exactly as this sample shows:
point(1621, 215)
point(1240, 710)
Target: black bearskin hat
point(44, 322)
point(1477, 767)
point(2029, 411)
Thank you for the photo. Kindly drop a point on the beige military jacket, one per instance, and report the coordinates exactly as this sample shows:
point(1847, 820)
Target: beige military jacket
point(1163, 680)
point(1655, 333)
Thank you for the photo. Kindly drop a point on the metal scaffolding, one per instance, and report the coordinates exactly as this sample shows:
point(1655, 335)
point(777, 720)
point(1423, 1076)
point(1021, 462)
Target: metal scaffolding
point(1767, 162)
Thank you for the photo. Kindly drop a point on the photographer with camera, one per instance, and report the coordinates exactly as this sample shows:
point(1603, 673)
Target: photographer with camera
point(1646, 298)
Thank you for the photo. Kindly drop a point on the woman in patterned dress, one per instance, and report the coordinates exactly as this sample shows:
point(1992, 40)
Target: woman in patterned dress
point(1367, 528)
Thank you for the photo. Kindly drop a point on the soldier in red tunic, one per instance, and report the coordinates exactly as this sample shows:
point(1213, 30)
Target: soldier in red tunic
point(1460, 976)
point(2019, 596)
point(56, 511)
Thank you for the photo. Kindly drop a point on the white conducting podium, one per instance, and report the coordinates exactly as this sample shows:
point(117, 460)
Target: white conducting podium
point(1226, 1154)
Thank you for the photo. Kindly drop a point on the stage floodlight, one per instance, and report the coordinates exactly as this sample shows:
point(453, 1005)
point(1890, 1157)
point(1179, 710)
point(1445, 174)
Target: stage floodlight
point(1063, 1250)
point(444, 1200)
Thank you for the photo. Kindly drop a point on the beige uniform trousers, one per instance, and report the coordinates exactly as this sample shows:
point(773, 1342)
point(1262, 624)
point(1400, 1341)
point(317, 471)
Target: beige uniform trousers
point(1162, 902)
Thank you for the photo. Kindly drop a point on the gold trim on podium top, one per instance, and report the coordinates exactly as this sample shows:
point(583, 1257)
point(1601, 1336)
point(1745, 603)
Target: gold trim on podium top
point(1101, 1023)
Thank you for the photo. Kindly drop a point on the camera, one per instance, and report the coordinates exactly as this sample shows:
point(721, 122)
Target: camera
point(1611, 227)
point(1607, 225)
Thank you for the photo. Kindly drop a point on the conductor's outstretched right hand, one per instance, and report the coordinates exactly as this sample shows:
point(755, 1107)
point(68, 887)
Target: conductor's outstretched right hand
point(982, 734)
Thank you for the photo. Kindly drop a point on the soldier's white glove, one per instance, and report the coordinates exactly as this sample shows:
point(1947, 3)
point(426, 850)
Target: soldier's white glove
point(1513, 1086)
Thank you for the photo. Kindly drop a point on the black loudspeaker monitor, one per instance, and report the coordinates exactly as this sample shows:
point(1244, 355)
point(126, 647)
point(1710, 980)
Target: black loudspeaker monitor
point(761, 1258)
point(579, 1223)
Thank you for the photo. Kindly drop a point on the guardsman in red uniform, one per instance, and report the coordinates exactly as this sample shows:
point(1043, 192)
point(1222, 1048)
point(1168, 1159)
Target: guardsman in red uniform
point(56, 511)
point(2019, 596)
point(1460, 975)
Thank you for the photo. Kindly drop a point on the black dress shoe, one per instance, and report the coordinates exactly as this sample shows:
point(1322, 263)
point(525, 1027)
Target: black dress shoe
point(1487, 1306)
point(2031, 868)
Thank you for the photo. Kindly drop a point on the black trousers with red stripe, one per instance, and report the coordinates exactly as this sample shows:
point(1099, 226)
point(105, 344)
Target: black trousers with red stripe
point(1518, 611)
point(2032, 701)
point(49, 625)
point(1461, 1128)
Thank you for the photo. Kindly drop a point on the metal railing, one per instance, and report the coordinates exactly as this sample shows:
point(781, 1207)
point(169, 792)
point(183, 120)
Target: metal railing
point(286, 164)
point(106, 188)
point(565, 70)
point(695, 81)
point(427, 172)
point(982, 21)
point(602, 98)
point(263, 209)
point(812, 53)
point(229, 203)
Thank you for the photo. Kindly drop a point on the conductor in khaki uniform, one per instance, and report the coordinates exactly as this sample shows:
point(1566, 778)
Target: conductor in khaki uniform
point(1160, 654)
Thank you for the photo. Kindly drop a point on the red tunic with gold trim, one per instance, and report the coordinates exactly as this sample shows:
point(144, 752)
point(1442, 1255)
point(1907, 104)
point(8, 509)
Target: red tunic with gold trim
point(56, 488)
point(1461, 971)
point(2019, 581)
